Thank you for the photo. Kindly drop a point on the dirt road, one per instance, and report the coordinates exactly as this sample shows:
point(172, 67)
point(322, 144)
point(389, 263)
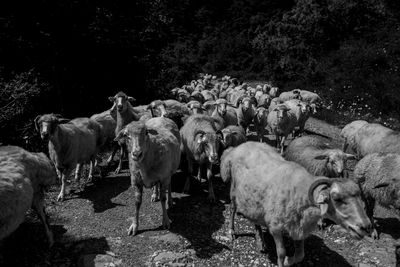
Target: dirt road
point(91, 228)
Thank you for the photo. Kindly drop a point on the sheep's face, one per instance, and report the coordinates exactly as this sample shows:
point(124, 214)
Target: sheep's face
point(221, 108)
point(273, 91)
point(209, 144)
point(261, 113)
point(281, 112)
point(195, 108)
point(227, 136)
point(345, 207)
point(136, 138)
point(121, 101)
point(183, 98)
point(246, 104)
point(47, 124)
point(335, 161)
point(158, 106)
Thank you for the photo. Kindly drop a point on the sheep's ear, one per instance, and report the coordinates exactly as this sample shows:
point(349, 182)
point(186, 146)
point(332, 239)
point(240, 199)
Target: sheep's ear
point(131, 99)
point(350, 156)
point(111, 98)
point(381, 185)
point(63, 120)
point(36, 122)
point(321, 157)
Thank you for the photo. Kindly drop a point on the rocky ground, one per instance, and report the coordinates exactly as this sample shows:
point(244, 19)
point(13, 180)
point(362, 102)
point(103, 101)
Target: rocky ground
point(90, 229)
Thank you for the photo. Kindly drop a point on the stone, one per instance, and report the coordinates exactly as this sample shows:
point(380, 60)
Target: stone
point(98, 260)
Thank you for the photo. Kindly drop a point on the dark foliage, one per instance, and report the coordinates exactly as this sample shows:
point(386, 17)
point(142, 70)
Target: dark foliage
point(68, 56)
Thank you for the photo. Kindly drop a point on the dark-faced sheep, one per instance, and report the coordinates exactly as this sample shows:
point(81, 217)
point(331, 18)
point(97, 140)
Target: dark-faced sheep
point(154, 156)
point(282, 123)
point(195, 107)
point(283, 197)
point(125, 115)
point(200, 144)
point(261, 122)
point(378, 177)
point(233, 136)
point(223, 114)
point(23, 178)
point(245, 112)
point(70, 142)
point(318, 156)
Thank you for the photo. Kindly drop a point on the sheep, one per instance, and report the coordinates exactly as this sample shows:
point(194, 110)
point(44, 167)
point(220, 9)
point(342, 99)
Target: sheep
point(264, 100)
point(374, 138)
point(209, 107)
point(283, 197)
point(70, 142)
point(274, 102)
point(183, 96)
point(348, 133)
point(170, 108)
point(294, 94)
point(197, 96)
point(281, 123)
point(154, 156)
point(233, 136)
point(300, 111)
point(273, 92)
point(23, 178)
point(260, 122)
point(223, 115)
point(245, 112)
point(378, 177)
point(311, 98)
point(318, 156)
point(195, 107)
point(125, 115)
point(200, 144)
point(208, 95)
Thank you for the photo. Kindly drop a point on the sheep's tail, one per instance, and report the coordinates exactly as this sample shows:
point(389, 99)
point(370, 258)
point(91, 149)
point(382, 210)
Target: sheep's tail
point(226, 166)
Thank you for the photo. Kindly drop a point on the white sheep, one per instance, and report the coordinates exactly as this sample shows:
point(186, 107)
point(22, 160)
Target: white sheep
point(282, 123)
point(23, 178)
point(300, 110)
point(70, 142)
point(294, 94)
point(318, 156)
point(154, 156)
point(283, 197)
point(348, 133)
point(378, 177)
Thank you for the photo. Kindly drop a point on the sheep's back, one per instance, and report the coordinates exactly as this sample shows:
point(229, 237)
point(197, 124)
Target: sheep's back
point(16, 194)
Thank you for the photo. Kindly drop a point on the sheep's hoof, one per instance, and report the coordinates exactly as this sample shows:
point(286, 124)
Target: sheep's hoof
point(261, 246)
point(155, 198)
point(132, 230)
point(211, 199)
point(166, 223)
point(50, 239)
point(375, 234)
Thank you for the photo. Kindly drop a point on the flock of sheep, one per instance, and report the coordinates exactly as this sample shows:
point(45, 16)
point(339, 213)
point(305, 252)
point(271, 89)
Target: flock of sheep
point(287, 190)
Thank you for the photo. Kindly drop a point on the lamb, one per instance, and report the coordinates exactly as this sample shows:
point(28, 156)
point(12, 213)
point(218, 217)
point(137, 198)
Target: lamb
point(283, 197)
point(70, 143)
point(200, 144)
point(318, 156)
point(378, 177)
point(348, 133)
point(281, 123)
point(260, 122)
point(154, 156)
point(23, 178)
point(125, 115)
point(233, 136)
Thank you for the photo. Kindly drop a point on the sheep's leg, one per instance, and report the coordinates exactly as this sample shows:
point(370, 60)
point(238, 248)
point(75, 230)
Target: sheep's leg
point(298, 253)
point(138, 202)
point(78, 171)
point(211, 196)
point(118, 169)
point(163, 198)
point(189, 176)
point(91, 167)
point(111, 157)
point(260, 238)
point(156, 193)
point(38, 206)
point(283, 144)
point(277, 141)
point(345, 145)
point(280, 248)
point(231, 230)
point(62, 191)
point(169, 201)
point(369, 210)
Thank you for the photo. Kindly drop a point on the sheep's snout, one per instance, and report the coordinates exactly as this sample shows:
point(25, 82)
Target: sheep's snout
point(45, 131)
point(137, 155)
point(120, 104)
point(213, 158)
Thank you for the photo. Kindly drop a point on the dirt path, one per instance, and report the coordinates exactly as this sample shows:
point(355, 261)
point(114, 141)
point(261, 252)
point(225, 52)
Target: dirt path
point(90, 227)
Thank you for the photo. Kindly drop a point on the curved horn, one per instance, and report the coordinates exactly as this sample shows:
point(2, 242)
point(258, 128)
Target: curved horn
point(314, 185)
point(35, 121)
